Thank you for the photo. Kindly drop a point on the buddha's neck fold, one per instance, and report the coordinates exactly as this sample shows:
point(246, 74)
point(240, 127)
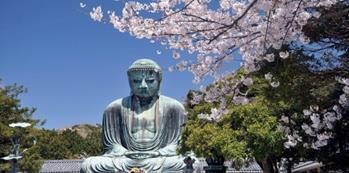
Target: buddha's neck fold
point(144, 103)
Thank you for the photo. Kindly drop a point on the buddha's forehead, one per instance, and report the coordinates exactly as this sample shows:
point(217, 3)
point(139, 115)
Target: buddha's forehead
point(143, 74)
point(144, 68)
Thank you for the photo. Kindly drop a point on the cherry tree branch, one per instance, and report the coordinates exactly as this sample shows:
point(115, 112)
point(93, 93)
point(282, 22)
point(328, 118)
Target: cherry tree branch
point(235, 22)
point(292, 20)
point(268, 21)
point(176, 12)
point(320, 49)
point(205, 20)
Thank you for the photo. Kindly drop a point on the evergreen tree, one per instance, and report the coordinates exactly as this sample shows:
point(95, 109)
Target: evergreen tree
point(11, 111)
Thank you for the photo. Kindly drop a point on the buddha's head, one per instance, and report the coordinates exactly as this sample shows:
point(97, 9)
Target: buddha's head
point(144, 76)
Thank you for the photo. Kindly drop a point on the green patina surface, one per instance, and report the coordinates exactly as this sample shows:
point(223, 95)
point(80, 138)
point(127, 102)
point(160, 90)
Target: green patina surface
point(141, 130)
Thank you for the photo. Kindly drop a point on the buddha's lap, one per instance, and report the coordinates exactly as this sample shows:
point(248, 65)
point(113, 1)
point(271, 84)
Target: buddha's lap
point(124, 163)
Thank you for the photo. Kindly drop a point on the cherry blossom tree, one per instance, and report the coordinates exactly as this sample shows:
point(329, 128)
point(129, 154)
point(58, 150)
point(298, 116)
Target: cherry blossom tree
point(215, 32)
point(251, 27)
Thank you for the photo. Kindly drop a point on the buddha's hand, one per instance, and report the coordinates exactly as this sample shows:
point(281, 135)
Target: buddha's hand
point(115, 151)
point(141, 154)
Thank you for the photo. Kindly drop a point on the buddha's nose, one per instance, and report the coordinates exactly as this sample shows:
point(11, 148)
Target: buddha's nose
point(144, 84)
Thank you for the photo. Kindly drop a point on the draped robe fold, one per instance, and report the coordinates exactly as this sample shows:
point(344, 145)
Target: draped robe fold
point(117, 139)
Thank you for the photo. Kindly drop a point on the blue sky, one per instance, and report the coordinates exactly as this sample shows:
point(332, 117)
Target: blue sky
point(73, 67)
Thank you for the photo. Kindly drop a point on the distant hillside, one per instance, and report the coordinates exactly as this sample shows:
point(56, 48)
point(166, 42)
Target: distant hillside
point(82, 129)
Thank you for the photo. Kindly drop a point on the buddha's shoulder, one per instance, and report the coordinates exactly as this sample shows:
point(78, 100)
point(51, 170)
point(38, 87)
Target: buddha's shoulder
point(171, 102)
point(118, 103)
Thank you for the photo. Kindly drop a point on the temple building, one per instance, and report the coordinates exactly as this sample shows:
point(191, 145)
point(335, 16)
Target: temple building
point(73, 166)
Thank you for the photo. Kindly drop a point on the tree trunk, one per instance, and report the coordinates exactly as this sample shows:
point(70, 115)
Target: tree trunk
point(267, 165)
point(289, 165)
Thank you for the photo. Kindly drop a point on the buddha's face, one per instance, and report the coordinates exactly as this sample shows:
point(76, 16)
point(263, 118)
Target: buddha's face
point(144, 83)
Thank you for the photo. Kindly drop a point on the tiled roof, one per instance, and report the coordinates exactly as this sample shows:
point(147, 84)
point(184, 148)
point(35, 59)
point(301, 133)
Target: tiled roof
point(61, 166)
point(73, 166)
point(251, 168)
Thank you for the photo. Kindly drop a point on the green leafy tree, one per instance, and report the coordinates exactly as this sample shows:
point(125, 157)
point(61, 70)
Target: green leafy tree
point(245, 132)
point(298, 88)
point(73, 143)
point(40, 144)
point(93, 142)
point(329, 33)
point(258, 129)
point(51, 146)
point(11, 111)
